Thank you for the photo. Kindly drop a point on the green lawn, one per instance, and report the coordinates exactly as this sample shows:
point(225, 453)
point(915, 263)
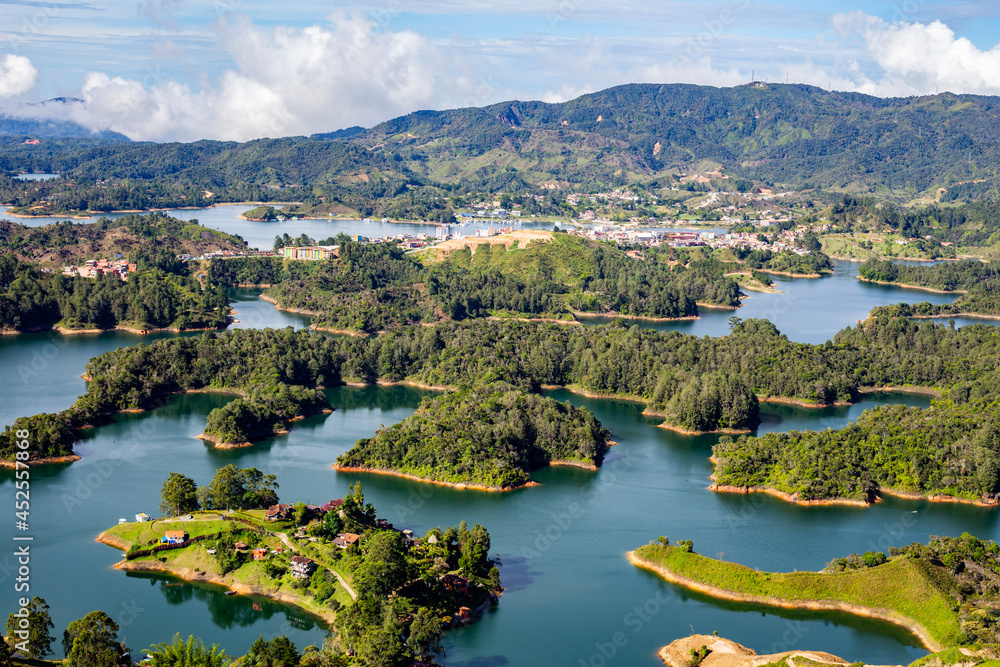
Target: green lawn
point(147, 531)
point(898, 587)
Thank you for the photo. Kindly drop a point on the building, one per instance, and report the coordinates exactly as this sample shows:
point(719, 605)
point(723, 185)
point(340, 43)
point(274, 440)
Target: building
point(456, 584)
point(345, 540)
point(260, 553)
point(174, 537)
point(302, 567)
point(278, 513)
point(333, 505)
point(310, 253)
point(141, 517)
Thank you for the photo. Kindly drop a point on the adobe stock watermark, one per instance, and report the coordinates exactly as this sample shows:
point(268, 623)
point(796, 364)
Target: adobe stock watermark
point(713, 29)
point(633, 623)
point(563, 11)
point(29, 370)
point(561, 522)
point(33, 25)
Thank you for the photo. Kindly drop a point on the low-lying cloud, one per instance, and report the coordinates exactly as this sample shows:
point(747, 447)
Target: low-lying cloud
point(287, 81)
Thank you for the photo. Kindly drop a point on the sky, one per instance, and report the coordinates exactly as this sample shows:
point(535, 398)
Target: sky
point(183, 70)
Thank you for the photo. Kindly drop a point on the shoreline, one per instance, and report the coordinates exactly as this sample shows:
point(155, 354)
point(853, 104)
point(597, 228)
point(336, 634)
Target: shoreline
point(923, 391)
point(789, 274)
point(464, 486)
point(881, 491)
point(618, 316)
point(262, 433)
point(815, 605)
point(63, 331)
point(563, 463)
point(971, 316)
point(188, 575)
point(50, 460)
point(787, 497)
point(397, 383)
point(913, 287)
point(684, 431)
point(784, 400)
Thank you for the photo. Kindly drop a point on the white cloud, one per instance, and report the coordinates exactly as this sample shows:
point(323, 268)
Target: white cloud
point(286, 81)
point(17, 75)
point(920, 59)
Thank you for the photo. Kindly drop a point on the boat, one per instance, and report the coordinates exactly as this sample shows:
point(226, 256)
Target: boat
point(230, 592)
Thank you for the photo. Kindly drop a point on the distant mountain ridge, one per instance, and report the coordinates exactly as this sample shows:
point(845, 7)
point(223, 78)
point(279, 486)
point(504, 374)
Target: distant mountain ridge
point(792, 135)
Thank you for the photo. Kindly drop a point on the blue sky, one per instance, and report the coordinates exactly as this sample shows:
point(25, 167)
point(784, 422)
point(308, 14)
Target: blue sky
point(240, 69)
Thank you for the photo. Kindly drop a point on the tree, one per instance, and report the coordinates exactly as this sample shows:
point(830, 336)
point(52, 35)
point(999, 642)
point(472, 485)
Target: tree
point(425, 634)
point(93, 642)
point(279, 652)
point(190, 653)
point(179, 495)
point(384, 568)
point(232, 488)
point(5, 654)
point(39, 623)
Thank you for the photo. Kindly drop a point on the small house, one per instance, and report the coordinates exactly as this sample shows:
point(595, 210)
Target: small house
point(278, 513)
point(240, 546)
point(345, 540)
point(260, 553)
point(464, 614)
point(333, 505)
point(302, 567)
point(175, 536)
point(141, 517)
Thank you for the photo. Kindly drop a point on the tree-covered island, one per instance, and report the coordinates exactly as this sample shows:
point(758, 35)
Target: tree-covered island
point(487, 436)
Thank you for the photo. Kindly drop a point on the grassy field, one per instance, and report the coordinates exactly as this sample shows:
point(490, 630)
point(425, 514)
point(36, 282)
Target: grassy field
point(249, 577)
point(883, 246)
point(897, 587)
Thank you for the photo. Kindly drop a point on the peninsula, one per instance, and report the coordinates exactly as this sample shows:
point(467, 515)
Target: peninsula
point(941, 592)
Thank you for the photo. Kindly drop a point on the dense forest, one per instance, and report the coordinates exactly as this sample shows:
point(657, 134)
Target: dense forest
point(492, 434)
point(374, 287)
point(612, 359)
point(952, 449)
point(264, 410)
point(980, 282)
point(32, 299)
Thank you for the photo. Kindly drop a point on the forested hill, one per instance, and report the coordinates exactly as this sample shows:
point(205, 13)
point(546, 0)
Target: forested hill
point(787, 134)
point(132, 236)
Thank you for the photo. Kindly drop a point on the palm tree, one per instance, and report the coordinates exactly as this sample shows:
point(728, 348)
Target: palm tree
point(190, 653)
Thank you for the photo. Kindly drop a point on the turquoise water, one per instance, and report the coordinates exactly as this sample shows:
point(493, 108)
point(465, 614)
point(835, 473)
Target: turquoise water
point(563, 544)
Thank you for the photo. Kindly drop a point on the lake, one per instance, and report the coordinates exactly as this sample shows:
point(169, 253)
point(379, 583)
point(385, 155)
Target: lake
point(563, 544)
point(261, 234)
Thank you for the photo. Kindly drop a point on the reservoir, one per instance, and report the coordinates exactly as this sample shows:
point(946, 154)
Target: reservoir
point(569, 587)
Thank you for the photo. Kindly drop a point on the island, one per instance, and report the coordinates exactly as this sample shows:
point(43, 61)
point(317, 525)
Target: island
point(706, 380)
point(942, 592)
point(261, 214)
point(490, 436)
point(364, 578)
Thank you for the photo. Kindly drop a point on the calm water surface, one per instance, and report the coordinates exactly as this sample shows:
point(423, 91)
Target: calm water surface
point(569, 585)
point(261, 234)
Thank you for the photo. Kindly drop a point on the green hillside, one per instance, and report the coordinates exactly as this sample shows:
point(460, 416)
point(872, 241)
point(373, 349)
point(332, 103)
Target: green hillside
point(793, 135)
